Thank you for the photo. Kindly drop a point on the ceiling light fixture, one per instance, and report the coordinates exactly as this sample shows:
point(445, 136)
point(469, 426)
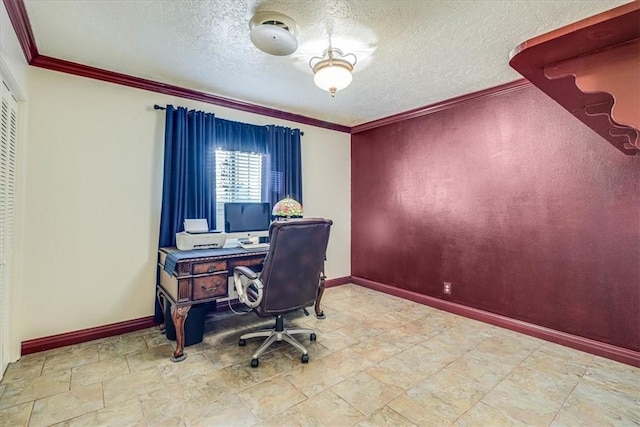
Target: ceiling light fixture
point(332, 71)
point(274, 33)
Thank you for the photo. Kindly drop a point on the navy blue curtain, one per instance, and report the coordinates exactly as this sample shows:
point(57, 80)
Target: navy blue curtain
point(284, 159)
point(236, 136)
point(188, 187)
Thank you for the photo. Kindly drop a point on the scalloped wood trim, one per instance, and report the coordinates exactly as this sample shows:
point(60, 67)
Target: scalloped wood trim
point(592, 69)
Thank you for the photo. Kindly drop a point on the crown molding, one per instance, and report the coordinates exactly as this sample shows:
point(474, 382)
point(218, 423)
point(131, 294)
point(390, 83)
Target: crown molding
point(20, 21)
point(443, 105)
point(18, 17)
point(81, 70)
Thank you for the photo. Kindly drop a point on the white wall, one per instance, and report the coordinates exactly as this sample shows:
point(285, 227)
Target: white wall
point(93, 197)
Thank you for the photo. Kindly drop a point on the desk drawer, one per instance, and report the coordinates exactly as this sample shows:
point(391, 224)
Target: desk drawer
point(214, 285)
point(253, 263)
point(208, 267)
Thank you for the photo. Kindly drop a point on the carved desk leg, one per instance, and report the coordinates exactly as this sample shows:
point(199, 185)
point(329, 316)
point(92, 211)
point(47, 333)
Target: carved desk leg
point(179, 315)
point(319, 312)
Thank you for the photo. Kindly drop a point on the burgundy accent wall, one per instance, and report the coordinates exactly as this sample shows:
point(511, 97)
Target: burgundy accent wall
point(528, 213)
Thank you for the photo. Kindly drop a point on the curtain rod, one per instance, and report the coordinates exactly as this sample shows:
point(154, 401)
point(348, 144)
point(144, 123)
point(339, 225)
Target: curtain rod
point(159, 107)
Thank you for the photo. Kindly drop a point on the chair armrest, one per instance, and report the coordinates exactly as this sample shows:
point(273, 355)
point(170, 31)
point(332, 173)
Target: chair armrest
point(250, 289)
point(246, 271)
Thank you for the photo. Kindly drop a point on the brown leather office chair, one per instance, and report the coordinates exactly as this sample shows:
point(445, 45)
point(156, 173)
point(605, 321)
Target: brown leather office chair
point(289, 279)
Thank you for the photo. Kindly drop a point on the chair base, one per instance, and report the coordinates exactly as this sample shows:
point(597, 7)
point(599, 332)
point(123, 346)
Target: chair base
point(279, 333)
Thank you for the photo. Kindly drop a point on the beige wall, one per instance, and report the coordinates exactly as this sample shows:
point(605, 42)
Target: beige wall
point(93, 194)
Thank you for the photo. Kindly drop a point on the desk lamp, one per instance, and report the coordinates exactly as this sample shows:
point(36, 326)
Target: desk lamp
point(287, 208)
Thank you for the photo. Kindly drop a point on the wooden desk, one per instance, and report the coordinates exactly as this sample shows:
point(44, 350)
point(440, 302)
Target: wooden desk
point(202, 276)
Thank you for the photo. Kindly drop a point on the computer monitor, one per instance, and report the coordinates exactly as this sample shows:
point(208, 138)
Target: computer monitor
point(247, 218)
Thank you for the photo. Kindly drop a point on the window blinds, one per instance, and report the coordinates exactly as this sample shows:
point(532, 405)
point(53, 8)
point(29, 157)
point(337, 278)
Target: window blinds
point(238, 179)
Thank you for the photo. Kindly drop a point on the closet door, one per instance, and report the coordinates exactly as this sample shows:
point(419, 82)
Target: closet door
point(8, 145)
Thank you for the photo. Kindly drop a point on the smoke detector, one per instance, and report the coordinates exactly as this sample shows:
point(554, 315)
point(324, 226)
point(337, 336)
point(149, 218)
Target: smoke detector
point(274, 33)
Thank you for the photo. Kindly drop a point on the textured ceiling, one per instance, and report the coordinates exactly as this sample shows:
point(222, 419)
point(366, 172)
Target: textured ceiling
point(410, 53)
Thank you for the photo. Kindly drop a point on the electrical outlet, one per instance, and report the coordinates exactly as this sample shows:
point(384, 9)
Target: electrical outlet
point(447, 288)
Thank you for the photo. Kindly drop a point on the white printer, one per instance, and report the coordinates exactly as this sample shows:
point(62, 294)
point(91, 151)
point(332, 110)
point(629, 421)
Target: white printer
point(196, 235)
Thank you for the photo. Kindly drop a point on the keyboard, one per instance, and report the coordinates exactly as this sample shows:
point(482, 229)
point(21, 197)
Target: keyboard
point(254, 245)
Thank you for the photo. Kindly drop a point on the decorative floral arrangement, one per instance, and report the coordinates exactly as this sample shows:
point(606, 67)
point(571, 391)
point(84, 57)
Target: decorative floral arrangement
point(287, 208)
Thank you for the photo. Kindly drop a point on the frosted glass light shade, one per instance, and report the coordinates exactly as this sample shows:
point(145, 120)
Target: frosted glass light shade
point(333, 78)
point(332, 70)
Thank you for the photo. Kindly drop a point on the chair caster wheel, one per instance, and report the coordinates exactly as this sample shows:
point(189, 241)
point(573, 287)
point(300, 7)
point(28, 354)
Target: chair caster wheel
point(242, 342)
point(313, 337)
point(254, 363)
point(305, 358)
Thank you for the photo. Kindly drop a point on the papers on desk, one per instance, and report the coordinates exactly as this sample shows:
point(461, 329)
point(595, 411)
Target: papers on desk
point(195, 226)
point(256, 246)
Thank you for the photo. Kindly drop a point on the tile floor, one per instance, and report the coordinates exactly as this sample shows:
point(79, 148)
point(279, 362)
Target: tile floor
point(378, 361)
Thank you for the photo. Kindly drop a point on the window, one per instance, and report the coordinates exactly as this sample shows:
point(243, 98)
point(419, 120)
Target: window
point(238, 179)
